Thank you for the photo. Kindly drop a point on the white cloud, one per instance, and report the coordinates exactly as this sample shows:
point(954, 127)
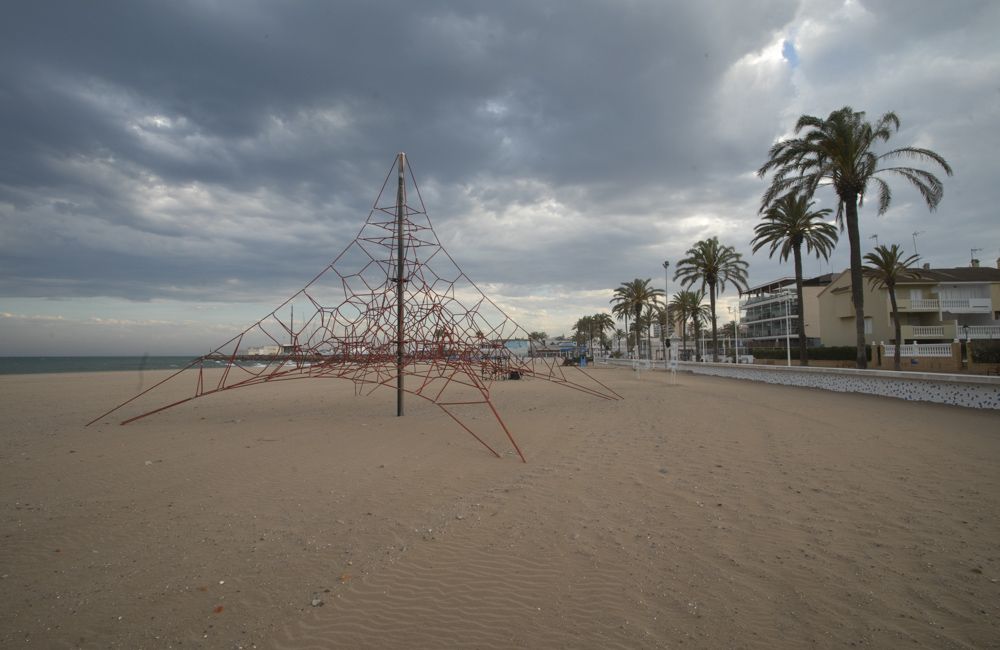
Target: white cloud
point(559, 152)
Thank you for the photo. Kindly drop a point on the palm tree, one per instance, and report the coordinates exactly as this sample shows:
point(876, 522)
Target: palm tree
point(715, 265)
point(663, 319)
point(584, 328)
point(683, 306)
point(649, 316)
point(837, 151)
point(603, 322)
point(620, 334)
point(887, 266)
point(621, 306)
point(536, 339)
point(698, 317)
point(789, 223)
point(630, 299)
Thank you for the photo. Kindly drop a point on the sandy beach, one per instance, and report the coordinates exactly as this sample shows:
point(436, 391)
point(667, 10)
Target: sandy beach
point(712, 513)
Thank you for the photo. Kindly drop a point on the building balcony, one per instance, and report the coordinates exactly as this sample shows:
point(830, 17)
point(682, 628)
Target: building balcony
point(949, 332)
point(923, 304)
point(769, 298)
point(951, 305)
point(945, 331)
point(966, 305)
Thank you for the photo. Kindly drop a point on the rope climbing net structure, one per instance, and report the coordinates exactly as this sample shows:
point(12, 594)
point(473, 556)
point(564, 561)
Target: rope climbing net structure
point(393, 310)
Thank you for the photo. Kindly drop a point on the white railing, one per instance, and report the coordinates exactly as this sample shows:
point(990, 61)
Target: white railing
point(918, 304)
point(984, 331)
point(920, 350)
point(966, 305)
point(930, 331)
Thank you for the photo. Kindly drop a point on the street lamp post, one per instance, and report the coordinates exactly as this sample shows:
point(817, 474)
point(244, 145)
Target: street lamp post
point(788, 327)
point(666, 299)
point(967, 355)
point(736, 332)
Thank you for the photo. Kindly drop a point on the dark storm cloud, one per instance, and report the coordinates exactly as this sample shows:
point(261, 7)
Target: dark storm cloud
point(310, 100)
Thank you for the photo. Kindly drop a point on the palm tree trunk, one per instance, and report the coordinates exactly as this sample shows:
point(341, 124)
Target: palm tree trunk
point(697, 338)
point(857, 286)
point(803, 353)
point(896, 326)
point(715, 333)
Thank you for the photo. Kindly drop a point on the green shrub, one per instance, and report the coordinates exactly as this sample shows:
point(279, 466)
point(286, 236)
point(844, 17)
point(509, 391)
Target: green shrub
point(985, 351)
point(838, 353)
point(768, 353)
point(831, 353)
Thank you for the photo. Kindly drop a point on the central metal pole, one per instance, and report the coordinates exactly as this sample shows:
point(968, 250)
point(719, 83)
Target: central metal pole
point(665, 334)
point(400, 269)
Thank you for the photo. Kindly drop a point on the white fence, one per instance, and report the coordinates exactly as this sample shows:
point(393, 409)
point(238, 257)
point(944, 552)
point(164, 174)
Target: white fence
point(920, 350)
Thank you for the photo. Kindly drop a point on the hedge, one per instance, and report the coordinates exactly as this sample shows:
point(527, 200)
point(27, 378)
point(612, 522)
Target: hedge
point(985, 351)
point(832, 353)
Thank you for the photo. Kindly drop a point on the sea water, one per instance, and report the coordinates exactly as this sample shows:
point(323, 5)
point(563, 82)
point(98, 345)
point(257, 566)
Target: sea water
point(33, 365)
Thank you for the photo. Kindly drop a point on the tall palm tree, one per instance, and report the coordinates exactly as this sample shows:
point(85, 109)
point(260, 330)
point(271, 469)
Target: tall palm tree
point(837, 151)
point(715, 266)
point(788, 224)
point(887, 266)
point(630, 299)
point(683, 306)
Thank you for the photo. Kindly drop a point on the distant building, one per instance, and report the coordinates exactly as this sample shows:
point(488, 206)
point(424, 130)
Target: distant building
point(518, 347)
point(557, 348)
point(769, 312)
point(265, 351)
point(938, 306)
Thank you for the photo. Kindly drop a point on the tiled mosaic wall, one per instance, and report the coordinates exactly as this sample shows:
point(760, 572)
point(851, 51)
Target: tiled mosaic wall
point(974, 392)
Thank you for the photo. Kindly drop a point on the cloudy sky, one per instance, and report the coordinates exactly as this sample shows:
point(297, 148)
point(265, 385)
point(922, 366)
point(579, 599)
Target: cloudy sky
point(171, 171)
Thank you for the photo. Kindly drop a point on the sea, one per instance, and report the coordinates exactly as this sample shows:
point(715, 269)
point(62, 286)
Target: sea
point(34, 365)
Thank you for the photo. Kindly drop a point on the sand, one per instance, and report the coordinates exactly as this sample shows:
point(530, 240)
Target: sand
point(712, 513)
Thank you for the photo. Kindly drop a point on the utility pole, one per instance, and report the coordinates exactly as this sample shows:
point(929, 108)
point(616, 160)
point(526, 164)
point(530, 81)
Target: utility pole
point(400, 270)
